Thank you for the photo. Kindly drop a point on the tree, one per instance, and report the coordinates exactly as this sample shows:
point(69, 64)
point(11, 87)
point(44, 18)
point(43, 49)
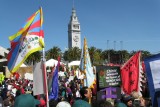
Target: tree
point(33, 58)
point(124, 55)
point(95, 55)
point(104, 56)
point(92, 51)
point(54, 53)
point(72, 54)
point(65, 55)
point(145, 54)
point(132, 53)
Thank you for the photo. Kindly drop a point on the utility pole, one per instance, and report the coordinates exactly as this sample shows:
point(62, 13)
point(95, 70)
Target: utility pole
point(121, 42)
point(114, 45)
point(108, 51)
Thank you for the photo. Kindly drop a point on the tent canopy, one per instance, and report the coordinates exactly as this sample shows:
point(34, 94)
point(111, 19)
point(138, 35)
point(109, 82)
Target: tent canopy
point(23, 65)
point(74, 63)
point(52, 62)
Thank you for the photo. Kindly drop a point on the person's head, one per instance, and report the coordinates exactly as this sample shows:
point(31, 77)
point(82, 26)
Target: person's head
point(135, 95)
point(8, 93)
point(104, 103)
point(127, 99)
point(129, 103)
point(12, 98)
point(18, 92)
point(120, 105)
point(63, 104)
point(26, 99)
point(78, 87)
point(53, 103)
point(143, 102)
point(85, 92)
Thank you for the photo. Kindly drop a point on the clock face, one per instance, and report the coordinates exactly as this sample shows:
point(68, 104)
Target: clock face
point(76, 38)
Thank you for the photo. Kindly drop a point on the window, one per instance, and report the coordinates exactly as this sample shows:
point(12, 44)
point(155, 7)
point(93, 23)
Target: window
point(76, 26)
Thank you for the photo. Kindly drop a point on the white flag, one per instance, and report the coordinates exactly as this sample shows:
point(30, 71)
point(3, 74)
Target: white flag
point(38, 87)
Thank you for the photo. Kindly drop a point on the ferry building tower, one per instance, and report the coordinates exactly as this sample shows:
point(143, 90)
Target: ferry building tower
point(74, 31)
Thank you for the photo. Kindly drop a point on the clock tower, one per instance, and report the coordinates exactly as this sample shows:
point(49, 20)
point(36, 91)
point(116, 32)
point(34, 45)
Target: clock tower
point(74, 33)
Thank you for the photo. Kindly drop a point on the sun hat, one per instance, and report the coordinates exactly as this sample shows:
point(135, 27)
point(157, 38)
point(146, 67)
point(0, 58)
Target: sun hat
point(63, 104)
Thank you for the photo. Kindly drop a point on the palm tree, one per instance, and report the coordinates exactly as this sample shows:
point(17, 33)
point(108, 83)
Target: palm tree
point(92, 50)
point(95, 55)
point(132, 53)
point(99, 60)
point(72, 54)
point(65, 55)
point(124, 55)
point(145, 54)
point(33, 58)
point(54, 53)
point(104, 56)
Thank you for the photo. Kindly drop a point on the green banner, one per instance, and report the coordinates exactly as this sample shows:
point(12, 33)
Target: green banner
point(108, 76)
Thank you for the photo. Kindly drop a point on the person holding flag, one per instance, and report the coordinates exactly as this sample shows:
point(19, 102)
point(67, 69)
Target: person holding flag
point(87, 69)
point(86, 94)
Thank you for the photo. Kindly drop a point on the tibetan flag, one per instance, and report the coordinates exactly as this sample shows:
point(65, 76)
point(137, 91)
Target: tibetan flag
point(130, 74)
point(90, 80)
point(152, 65)
point(29, 39)
point(55, 87)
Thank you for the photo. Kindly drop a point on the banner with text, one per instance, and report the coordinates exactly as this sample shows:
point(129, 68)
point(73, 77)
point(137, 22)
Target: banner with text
point(108, 76)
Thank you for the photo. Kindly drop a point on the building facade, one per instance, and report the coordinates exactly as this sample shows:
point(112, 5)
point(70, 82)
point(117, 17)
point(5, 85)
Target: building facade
point(3, 54)
point(74, 31)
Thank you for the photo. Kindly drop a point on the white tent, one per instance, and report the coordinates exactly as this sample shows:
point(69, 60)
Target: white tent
point(61, 73)
point(23, 65)
point(3, 51)
point(28, 76)
point(52, 62)
point(74, 63)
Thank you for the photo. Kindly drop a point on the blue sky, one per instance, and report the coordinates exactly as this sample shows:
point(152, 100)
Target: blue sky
point(134, 22)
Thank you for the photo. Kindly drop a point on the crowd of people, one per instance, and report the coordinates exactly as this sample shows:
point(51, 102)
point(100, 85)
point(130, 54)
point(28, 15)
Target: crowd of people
point(18, 92)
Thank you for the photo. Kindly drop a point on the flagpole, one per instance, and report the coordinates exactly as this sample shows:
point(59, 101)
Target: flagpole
point(85, 79)
point(83, 69)
point(85, 62)
point(45, 78)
